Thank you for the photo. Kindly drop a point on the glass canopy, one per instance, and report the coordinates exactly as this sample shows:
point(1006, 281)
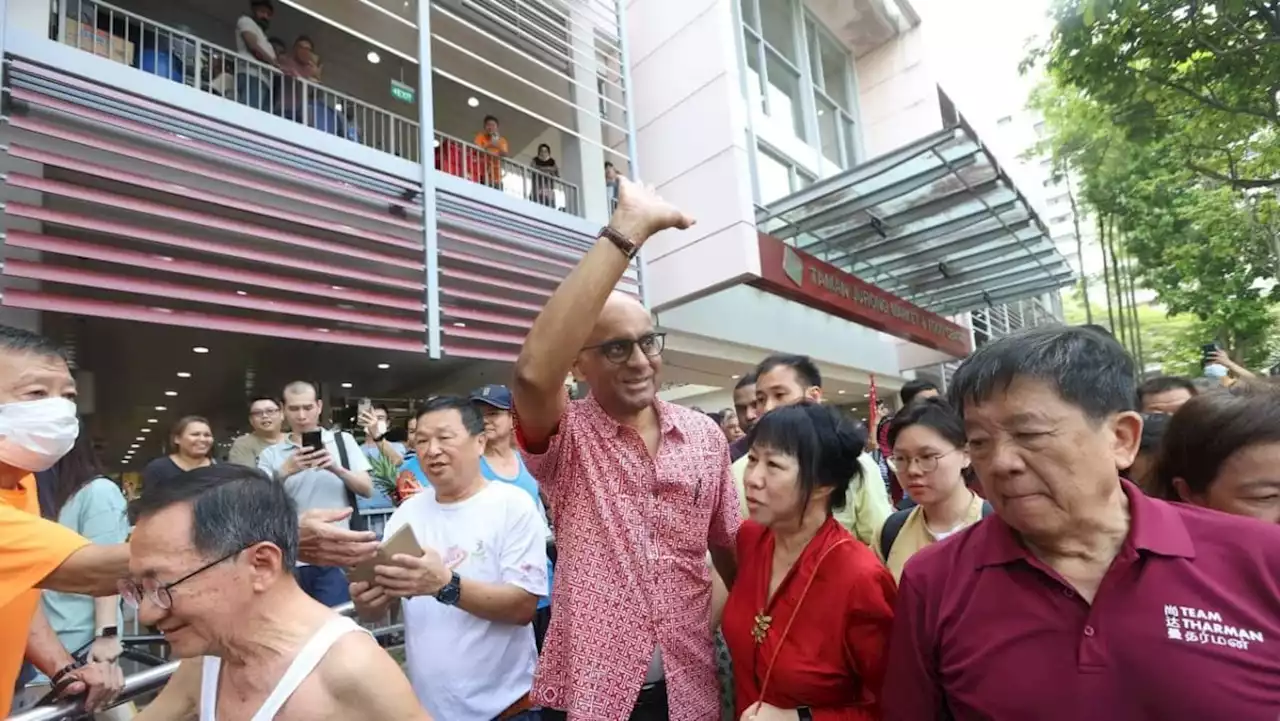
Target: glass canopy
point(936, 222)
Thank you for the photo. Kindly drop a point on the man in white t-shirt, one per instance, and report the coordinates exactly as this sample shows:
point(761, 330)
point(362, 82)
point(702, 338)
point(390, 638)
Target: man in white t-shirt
point(253, 84)
point(469, 601)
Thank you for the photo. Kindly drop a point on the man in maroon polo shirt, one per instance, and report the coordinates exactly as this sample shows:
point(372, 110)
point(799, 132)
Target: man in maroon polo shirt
point(1081, 599)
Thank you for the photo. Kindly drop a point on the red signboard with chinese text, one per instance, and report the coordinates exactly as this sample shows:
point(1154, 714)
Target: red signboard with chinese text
point(800, 277)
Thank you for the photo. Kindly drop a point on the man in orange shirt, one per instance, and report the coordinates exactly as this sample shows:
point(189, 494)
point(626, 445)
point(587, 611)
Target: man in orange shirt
point(491, 141)
point(38, 426)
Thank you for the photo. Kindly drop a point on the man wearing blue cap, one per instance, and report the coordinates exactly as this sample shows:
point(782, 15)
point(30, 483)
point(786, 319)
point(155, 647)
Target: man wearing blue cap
point(501, 462)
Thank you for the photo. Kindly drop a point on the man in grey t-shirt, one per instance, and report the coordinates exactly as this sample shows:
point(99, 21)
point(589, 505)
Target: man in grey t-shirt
point(317, 480)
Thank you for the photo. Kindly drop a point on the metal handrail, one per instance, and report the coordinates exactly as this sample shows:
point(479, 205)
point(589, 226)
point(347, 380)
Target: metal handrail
point(144, 682)
point(470, 161)
point(167, 52)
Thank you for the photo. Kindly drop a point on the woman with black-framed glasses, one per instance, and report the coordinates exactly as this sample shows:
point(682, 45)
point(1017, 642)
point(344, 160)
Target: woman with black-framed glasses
point(928, 454)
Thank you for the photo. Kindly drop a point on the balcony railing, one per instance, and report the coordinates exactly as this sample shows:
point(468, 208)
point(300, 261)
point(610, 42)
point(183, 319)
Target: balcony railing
point(1001, 320)
point(128, 38)
point(469, 161)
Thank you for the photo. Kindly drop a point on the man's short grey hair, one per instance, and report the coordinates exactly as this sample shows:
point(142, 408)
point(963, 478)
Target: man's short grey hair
point(299, 387)
point(232, 508)
point(1088, 369)
point(21, 340)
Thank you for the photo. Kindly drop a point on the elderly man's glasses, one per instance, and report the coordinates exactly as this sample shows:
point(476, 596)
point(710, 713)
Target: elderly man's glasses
point(926, 464)
point(265, 413)
point(618, 351)
point(133, 592)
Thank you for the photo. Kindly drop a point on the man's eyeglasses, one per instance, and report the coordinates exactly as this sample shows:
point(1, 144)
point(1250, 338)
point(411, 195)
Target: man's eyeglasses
point(265, 413)
point(618, 351)
point(927, 464)
point(133, 592)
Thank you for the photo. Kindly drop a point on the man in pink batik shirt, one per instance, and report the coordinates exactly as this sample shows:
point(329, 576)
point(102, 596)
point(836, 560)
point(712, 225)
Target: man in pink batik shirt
point(640, 490)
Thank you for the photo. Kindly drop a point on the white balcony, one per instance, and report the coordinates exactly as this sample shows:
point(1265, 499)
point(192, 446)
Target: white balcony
point(168, 53)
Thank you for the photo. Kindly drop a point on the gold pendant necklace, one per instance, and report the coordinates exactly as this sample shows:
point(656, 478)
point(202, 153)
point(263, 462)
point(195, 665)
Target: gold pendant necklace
point(761, 627)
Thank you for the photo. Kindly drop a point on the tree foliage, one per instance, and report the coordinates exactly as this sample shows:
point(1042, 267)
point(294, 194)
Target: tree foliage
point(1171, 343)
point(1199, 76)
point(1166, 113)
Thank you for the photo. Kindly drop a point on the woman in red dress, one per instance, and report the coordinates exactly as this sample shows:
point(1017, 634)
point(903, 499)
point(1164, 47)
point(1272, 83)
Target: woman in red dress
point(808, 618)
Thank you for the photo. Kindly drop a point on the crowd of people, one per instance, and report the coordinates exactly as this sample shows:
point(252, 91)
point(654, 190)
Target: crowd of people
point(1050, 558)
point(280, 78)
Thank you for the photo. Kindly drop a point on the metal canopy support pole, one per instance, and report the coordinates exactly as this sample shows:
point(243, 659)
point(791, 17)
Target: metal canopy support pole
point(426, 145)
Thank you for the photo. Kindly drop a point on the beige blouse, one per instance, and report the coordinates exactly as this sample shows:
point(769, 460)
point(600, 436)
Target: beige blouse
point(915, 535)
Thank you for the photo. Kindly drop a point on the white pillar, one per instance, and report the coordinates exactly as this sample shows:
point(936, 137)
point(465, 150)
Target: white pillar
point(30, 16)
point(583, 155)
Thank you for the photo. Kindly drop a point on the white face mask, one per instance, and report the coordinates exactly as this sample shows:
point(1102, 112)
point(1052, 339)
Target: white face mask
point(1215, 370)
point(34, 435)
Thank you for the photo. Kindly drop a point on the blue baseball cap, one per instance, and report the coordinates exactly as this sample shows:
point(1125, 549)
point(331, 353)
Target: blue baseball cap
point(497, 396)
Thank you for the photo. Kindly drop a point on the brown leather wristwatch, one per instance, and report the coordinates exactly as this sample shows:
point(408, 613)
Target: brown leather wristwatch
point(622, 242)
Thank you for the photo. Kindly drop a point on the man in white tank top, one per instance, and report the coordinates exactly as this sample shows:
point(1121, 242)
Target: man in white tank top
point(211, 566)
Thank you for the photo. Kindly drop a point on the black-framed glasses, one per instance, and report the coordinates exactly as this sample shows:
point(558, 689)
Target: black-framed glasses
point(618, 351)
point(133, 592)
point(927, 464)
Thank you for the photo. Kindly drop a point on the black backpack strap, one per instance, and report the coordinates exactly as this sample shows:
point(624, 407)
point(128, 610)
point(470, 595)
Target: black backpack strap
point(357, 522)
point(340, 440)
point(889, 531)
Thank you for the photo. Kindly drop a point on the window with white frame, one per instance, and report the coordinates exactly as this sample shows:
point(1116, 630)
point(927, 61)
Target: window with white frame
point(800, 77)
point(778, 176)
point(832, 78)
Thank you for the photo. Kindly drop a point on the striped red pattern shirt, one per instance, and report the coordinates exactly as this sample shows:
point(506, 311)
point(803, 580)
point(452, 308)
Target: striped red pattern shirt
point(632, 534)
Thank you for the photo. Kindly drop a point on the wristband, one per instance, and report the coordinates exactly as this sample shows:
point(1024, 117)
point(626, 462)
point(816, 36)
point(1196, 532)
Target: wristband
point(59, 676)
point(624, 244)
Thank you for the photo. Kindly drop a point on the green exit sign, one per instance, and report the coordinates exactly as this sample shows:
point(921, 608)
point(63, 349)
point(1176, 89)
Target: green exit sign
point(401, 92)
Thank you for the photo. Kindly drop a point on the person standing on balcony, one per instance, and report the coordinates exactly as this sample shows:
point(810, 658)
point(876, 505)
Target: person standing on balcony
point(640, 490)
point(266, 420)
point(300, 67)
point(544, 183)
point(488, 170)
point(253, 85)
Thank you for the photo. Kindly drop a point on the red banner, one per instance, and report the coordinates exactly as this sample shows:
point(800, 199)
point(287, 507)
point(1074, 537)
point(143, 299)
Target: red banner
point(800, 277)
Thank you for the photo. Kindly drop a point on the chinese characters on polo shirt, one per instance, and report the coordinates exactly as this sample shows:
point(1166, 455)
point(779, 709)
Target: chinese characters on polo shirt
point(632, 534)
point(1185, 625)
